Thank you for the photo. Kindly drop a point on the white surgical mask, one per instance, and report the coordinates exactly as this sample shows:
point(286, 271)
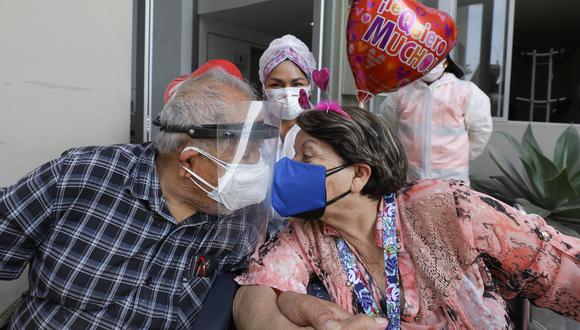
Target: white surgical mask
point(289, 97)
point(435, 73)
point(240, 186)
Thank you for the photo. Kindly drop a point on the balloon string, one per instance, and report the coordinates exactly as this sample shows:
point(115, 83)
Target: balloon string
point(361, 103)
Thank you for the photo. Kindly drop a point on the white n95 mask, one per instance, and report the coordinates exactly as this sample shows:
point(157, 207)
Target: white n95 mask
point(289, 98)
point(241, 185)
point(435, 73)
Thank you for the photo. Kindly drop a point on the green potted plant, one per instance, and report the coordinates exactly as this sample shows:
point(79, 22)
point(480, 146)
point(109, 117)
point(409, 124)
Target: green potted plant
point(549, 188)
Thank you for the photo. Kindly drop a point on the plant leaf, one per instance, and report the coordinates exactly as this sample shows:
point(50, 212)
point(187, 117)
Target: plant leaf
point(530, 164)
point(508, 188)
point(572, 203)
point(544, 167)
point(574, 170)
point(564, 229)
point(565, 146)
point(572, 213)
point(571, 222)
point(561, 150)
point(575, 181)
point(484, 184)
point(529, 139)
point(547, 169)
point(532, 208)
point(558, 190)
point(570, 209)
point(535, 178)
point(524, 152)
point(491, 187)
point(516, 182)
point(573, 156)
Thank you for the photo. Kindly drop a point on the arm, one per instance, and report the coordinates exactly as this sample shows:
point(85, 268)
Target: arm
point(526, 256)
point(284, 264)
point(25, 212)
point(478, 121)
point(307, 310)
point(258, 307)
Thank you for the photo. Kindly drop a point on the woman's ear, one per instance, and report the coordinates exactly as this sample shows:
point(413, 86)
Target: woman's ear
point(362, 174)
point(187, 160)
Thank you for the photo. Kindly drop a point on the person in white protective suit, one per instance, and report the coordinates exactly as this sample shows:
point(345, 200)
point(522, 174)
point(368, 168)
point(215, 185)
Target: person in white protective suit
point(443, 122)
point(286, 67)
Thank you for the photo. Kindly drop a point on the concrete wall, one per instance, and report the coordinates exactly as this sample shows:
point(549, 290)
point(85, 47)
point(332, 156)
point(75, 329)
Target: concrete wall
point(65, 81)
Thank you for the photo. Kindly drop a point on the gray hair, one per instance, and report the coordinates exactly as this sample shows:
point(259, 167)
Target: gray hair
point(198, 101)
point(367, 138)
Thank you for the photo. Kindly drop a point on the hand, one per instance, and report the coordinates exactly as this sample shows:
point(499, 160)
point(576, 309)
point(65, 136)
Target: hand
point(304, 310)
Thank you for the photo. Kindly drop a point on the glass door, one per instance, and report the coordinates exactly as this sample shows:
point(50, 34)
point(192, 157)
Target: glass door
point(480, 49)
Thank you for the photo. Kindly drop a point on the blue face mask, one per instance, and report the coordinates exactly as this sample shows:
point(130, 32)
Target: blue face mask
point(299, 189)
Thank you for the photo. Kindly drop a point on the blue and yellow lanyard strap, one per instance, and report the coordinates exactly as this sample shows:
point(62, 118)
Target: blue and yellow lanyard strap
point(355, 278)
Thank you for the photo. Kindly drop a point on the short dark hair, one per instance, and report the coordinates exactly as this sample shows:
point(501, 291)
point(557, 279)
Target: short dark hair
point(367, 138)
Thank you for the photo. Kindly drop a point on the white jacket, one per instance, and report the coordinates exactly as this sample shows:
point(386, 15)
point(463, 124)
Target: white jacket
point(286, 148)
point(441, 126)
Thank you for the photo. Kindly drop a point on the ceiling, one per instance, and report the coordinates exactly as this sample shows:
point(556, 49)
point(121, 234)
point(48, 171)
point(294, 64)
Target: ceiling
point(275, 17)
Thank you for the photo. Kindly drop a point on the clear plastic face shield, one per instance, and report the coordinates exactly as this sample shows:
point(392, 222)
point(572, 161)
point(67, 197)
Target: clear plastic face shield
point(241, 152)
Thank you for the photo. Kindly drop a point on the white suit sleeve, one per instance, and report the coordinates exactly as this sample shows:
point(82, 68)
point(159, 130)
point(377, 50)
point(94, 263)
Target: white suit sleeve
point(478, 121)
point(389, 109)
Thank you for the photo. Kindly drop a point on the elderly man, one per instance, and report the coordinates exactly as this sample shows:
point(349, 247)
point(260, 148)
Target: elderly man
point(133, 236)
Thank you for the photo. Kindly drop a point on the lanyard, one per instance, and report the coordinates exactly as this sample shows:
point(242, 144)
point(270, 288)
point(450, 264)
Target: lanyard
point(355, 279)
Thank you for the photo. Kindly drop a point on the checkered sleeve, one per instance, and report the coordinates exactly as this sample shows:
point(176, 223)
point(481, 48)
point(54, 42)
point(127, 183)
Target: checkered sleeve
point(25, 214)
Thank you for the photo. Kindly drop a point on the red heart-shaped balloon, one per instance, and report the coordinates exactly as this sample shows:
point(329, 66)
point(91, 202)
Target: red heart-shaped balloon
point(303, 100)
point(321, 78)
point(392, 43)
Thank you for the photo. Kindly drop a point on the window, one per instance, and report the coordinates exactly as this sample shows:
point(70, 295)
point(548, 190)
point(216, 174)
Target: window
point(545, 69)
point(542, 62)
point(480, 49)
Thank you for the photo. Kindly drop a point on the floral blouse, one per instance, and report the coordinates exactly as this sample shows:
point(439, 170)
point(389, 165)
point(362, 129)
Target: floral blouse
point(515, 254)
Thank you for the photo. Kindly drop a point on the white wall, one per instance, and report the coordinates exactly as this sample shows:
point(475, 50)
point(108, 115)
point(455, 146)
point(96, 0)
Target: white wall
point(65, 81)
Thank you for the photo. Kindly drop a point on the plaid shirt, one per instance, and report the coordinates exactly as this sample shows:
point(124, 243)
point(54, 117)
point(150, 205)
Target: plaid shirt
point(103, 248)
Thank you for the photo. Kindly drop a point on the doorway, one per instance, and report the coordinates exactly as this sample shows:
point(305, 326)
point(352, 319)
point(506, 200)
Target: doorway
point(242, 33)
point(173, 37)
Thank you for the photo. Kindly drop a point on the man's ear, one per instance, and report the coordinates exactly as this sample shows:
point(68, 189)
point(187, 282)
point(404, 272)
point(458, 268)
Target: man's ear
point(187, 159)
point(362, 174)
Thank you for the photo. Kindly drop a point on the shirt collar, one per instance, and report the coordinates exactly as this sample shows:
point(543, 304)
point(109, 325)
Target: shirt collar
point(144, 183)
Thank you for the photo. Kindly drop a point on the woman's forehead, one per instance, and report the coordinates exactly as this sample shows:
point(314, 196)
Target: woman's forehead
point(286, 70)
point(303, 139)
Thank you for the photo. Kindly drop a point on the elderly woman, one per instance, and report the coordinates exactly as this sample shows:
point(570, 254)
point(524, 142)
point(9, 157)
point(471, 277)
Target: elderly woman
point(429, 255)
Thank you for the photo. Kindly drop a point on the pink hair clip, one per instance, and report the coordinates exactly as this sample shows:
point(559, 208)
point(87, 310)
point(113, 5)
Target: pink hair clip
point(334, 107)
point(303, 100)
